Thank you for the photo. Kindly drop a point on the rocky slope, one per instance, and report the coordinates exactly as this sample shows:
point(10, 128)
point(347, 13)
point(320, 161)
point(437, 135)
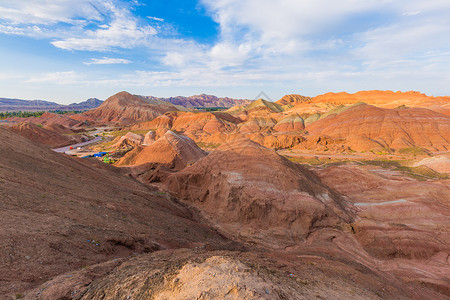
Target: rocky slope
point(293, 99)
point(239, 187)
point(61, 214)
point(48, 119)
point(52, 136)
point(402, 221)
point(205, 122)
point(201, 274)
point(292, 122)
point(262, 105)
point(389, 128)
point(172, 150)
point(129, 140)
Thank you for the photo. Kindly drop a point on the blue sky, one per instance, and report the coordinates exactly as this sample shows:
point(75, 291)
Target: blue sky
point(71, 50)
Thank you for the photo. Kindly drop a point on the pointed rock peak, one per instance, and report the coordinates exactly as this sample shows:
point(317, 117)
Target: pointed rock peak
point(123, 93)
point(261, 103)
point(122, 98)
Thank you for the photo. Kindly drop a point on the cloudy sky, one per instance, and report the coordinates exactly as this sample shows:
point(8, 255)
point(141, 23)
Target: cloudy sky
point(71, 50)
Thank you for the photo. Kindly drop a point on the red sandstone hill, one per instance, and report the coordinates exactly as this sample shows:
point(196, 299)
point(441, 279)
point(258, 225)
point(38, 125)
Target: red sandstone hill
point(390, 128)
point(52, 136)
point(401, 221)
point(48, 119)
point(387, 99)
point(128, 140)
point(205, 122)
point(292, 122)
point(293, 99)
point(250, 191)
point(125, 108)
point(263, 106)
point(172, 150)
point(257, 124)
point(220, 127)
point(61, 129)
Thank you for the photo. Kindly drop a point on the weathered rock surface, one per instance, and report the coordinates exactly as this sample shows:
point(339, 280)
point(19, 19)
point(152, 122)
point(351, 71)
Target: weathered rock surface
point(130, 139)
point(172, 150)
point(45, 136)
point(253, 192)
point(290, 123)
point(200, 274)
point(205, 122)
point(400, 215)
point(149, 138)
point(394, 128)
point(293, 99)
point(161, 122)
point(257, 124)
point(263, 106)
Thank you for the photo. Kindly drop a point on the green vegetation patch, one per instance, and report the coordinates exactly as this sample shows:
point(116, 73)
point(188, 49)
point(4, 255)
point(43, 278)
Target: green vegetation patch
point(404, 166)
point(384, 151)
point(421, 173)
point(315, 161)
point(37, 114)
point(211, 108)
point(414, 151)
point(208, 145)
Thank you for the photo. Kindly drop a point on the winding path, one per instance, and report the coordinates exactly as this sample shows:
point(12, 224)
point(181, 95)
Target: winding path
point(67, 148)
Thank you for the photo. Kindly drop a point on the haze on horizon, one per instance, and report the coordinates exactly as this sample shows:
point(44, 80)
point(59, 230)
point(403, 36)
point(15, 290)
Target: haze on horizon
point(73, 50)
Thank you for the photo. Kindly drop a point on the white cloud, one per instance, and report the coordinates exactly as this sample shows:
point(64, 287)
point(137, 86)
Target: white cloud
point(67, 77)
point(175, 59)
point(411, 13)
point(107, 61)
point(283, 19)
point(406, 40)
point(93, 25)
point(320, 39)
point(122, 31)
point(155, 19)
point(50, 11)
point(313, 45)
point(229, 55)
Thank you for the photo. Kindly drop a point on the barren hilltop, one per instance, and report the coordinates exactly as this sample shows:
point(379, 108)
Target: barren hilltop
point(338, 196)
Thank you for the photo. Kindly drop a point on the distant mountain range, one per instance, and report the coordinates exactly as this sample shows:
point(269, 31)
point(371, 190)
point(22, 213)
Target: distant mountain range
point(203, 100)
point(37, 105)
point(197, 101)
